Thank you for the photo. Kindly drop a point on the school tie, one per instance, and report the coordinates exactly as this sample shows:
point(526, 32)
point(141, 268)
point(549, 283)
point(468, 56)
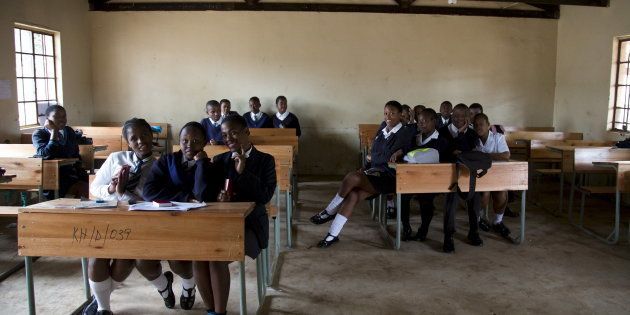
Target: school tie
point(134, 176)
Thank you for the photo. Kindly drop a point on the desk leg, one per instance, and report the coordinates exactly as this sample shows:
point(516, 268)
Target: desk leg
point(259, 278)
point(289, 210)
point(398, 220)
point(571, 194)
point(561, 191)
point(30, 289)
point(266, 272)
point(615, 234)
point(86, 281)
point(523, 205)
point(241, 274)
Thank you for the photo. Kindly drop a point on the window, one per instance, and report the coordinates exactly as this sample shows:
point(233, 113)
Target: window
point(621, 101)
point(36, 72)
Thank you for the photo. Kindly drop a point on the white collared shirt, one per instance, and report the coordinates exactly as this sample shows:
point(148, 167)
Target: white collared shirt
point(420, 141)
point(444, 120)
point(282, 116)
point(386, 133)
point(111, 166)
point(454, 131)
point(494, 144)
point(216, 123)
point(256, 117)
point(246, 153)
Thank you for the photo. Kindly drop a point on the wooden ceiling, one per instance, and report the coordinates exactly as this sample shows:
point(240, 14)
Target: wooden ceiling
point(543, 9)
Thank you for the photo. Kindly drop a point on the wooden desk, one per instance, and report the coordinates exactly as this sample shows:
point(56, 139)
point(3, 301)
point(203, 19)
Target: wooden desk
point(53, 229)
point(437, 178)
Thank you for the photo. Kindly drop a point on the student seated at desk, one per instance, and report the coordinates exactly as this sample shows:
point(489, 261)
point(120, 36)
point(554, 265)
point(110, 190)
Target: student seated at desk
point(427, 137)
point(476, 108)
point(121, 177)
point(252, 177)
point(406, 117)
point(495, 145)
point(460, 139)
point(417, 110)
point(444, 117)
point(226, 108)
point(212, 124)
point(255, 118)
point(284, 118)
point(189, 176)
point(389, 145)
point(56, 140)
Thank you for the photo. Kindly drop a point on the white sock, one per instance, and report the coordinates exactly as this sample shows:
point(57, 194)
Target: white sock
point(188, 284)
point(334, 204)
point(336, 226)
point(498, 217)
point(116, 285)
point(160, 283)
point(102, 291)
point(390, 203)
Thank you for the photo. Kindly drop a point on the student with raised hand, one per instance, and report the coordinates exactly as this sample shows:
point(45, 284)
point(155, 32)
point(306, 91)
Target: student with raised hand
point(378, 178)
point(57, 140)
point(427, 137)
point(445, 114)
point(252, 178)
point(226, 108)
point(256, 118)
point(495, 145)
point(460, 139)
point(284, 118)
point(212, 124)
point(189, 176)
point(121, 177)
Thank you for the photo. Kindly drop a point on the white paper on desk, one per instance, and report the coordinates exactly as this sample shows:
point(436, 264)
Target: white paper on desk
point(177, 206)
point(92, 204)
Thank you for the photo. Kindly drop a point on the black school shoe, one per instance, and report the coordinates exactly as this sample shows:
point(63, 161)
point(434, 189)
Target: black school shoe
point(502, 230)
point(92, 308)
point(391, 213)
point(509, 213)
point(406, 234)
point(169, 301)
point(324, 243)
point(104, 312)
point(187, 302)
point(484, 225)
point(474, 239)
point(449, 244)
point(322, 217)
point(422, 232)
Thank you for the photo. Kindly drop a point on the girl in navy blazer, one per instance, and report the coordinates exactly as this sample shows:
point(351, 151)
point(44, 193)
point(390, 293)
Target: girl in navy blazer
point(284, 118)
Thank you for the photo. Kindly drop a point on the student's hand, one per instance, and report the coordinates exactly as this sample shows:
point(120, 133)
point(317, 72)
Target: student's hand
point(223, 196)
point(112, 186)
point(396, 156)
point(212, 142)
point(50, 125)
point(123, 178)
point(201, 155)
point(463, 128)
point(239, 160)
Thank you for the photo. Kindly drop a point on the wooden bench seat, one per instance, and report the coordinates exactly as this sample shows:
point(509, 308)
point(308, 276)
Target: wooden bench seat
point(6, 211)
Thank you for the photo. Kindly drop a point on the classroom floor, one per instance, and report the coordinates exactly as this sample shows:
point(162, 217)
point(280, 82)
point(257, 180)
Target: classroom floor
point(559, 270)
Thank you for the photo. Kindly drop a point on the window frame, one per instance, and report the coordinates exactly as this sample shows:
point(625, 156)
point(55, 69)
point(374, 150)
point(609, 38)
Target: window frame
point(621, 41)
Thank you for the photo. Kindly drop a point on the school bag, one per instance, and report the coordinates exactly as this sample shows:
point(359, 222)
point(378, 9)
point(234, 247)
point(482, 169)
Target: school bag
point(422, 156)
point(477, 164)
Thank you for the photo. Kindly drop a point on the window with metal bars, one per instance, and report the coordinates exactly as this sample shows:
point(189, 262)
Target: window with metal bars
point(621, 105)
point(36, 73)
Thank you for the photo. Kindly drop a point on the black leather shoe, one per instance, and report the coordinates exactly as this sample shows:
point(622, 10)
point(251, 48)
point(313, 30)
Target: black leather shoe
point(104, 312)
point(449, 244)
point(484, 225)
point(324, 243)
point(92, 308)
point(510, 213)
point(391, 213)
point(187, 302)
point(501, 229)
point(474, 239)
point(422, 232)
point(406, 233)
point(169, 301)
point(322, 217)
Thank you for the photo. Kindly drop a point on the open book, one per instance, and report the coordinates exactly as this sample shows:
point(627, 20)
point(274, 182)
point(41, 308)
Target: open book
point(177, 206)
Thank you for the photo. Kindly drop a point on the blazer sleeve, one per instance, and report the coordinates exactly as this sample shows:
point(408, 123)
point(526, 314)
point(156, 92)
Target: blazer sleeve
point(207, 181)
point(298, 130)
point(259, 187)
point(160, 186)
point(44, 146)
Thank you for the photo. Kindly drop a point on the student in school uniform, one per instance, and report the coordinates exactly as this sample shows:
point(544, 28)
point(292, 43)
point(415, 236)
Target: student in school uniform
point(226, 108)
point(121, 177)
point(406, 117)
point(212, 124)
point(284, 118)
point(189, 176)
point(57, 140)
point(445, 114)
point(476, 108)
point(427, 137)
point(256, 118)
point(389, 145)
point(251, 174)
point(495, 145)
point(416, 111)
point(460, 139)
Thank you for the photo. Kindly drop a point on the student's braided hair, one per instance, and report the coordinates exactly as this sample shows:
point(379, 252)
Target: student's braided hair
point(135, 122)
point(195, 125)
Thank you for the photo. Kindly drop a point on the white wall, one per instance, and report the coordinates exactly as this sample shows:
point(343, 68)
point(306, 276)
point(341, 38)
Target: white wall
point(585, 49)
point(70, 18)
point(337, 69)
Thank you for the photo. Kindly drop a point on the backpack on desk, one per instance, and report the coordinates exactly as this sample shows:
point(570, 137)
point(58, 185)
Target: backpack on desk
point(477, 164)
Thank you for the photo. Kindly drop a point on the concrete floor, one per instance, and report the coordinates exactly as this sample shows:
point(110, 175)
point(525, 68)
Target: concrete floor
point(558, 270)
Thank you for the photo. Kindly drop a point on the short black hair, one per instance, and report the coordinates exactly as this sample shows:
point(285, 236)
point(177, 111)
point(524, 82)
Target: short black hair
point(195, 125)
point(482, 116)
point(419, 106)
point(461, 106)
point(135, 122)
point(447, 103)
point(225, 100)
point(395, 105)
point(476, 105)
point(429, 112)
point(281, 97)
point(406, 107)
point(255, 99)
point(53, 108)
point(212, 103)
point(238, 120)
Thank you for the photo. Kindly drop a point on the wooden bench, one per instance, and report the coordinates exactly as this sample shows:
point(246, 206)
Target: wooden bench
point(272, 132)
point(519, 142)
point(515, 128)
point(123, 234)
point(105, 136)
point(366, 137)
point(437, 178)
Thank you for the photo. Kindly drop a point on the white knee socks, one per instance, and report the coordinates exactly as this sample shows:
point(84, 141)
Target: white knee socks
point(336, 226)
point(498, 217)
point(102, 291)
point(334, 204)
point(188, 284)
point(160, 283)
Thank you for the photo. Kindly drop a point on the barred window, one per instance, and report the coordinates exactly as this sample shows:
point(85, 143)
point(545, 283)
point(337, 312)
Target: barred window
point(621, 101)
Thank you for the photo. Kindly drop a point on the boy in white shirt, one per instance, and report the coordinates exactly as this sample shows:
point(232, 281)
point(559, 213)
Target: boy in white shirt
point(495, 145)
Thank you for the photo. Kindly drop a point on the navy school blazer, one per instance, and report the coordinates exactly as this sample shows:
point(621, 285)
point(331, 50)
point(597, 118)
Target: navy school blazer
point(264, 121)
point(55, 149)
point(382, 149)
point(466, 142)
point(213, 133)
point(290, 122)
